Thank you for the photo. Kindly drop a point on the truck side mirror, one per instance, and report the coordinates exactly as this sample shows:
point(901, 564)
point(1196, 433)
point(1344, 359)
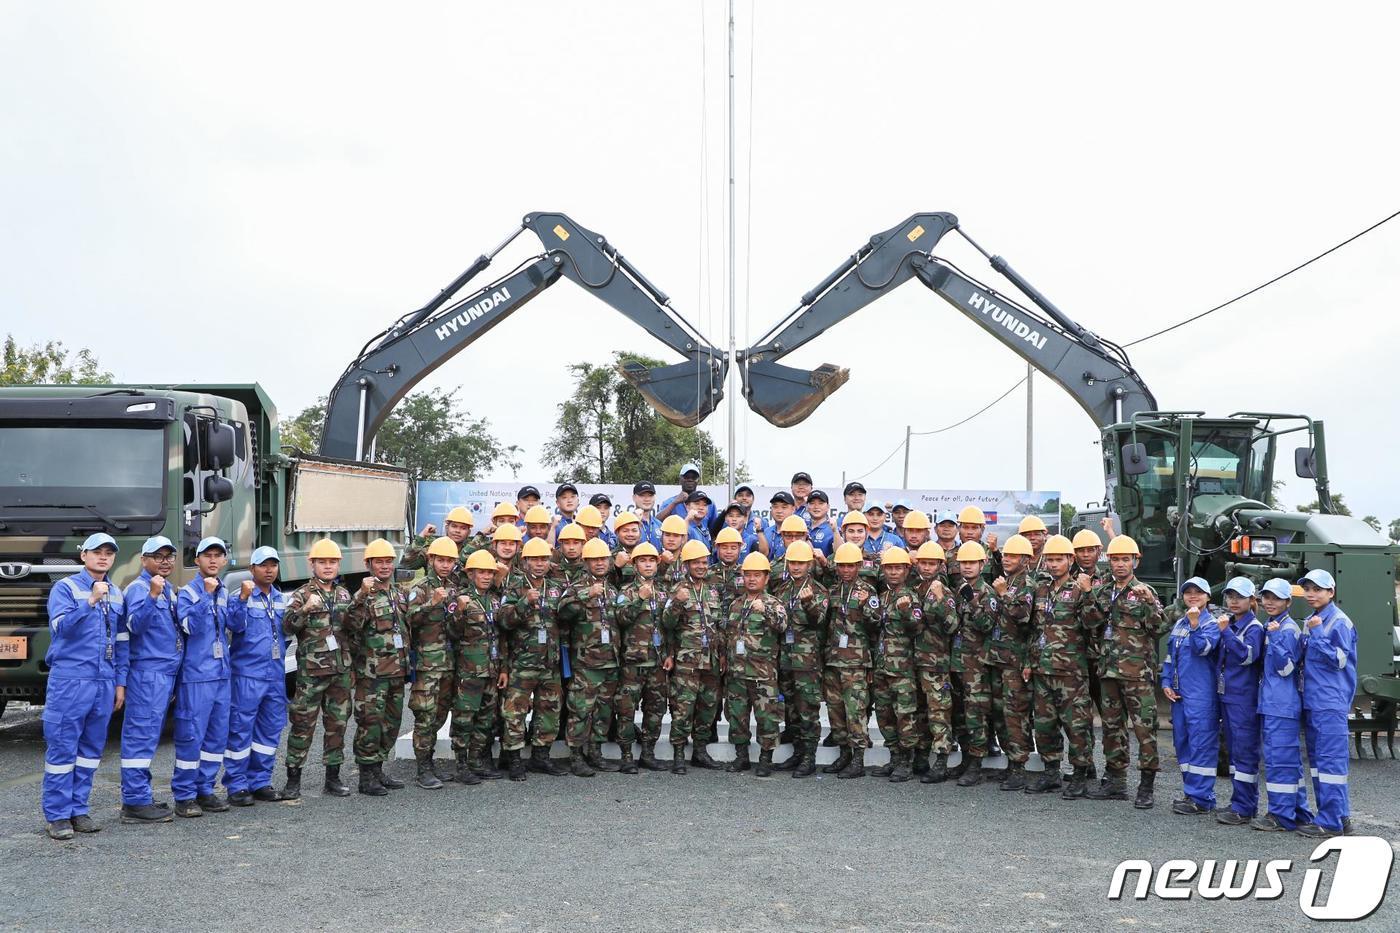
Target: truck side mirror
point(219, 445)
point(1305, 462)
point(217, 489)
point(1135, 459)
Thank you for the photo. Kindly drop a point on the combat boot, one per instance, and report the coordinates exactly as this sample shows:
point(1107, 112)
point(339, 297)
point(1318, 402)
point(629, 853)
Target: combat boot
point(957, 770)
point(484, 767)
point(920, 765)
point(389, 781)
point(648, 759)
point(144, 813)
point(541, 763)
point(627, 764)
point(938, 771)
point(764, 768)
point(678, 759)
point(1078, 785)
point(334, 785)
point(578, 766)
point(427, 778)
point(262, 794)
point(1143, 800)
point(901, 771)
point(1114, 786)
point(855, 766)
point(369, 784)
point(791, 761)
point(839, 765)
point(700, 757)
point(292, 789)
point(1015, 777)
point(808, 766)
point(596, 759)
point(464, 773)
point(886, 769)
point(1047, 781)
point(972, 771)
point(830, 740)
point(515, 765)
point(740, 762)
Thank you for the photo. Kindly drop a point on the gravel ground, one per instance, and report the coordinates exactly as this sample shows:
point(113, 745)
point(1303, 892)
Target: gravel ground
point(708, 851)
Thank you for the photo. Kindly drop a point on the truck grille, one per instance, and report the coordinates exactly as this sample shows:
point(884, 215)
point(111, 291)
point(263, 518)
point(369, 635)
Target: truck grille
point(24, 604)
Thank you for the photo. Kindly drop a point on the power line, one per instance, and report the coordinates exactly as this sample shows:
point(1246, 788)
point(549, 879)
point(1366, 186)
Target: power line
point(897, 448)
point(979, 411)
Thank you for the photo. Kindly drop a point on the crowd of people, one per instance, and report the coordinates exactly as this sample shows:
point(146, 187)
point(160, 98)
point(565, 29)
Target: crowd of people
point(591, 624)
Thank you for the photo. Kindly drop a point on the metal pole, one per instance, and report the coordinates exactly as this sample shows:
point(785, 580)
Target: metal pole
point(733, 368)
point(908, 433)
point(1030, 429)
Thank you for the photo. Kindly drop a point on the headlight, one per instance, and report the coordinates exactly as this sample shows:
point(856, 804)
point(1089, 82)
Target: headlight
point(1263, 547)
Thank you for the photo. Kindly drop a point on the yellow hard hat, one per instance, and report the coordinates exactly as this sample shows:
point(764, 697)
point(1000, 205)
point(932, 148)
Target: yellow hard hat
point(916, 519)
point(596, 548)
point(894, 555)
point(507, 533)
point(728, 535)
point(694, 550)
point(793, 523)
point(1058, 544)
point(1018, 544)
point(1123, 545)
point(537, 515)
point(444, 547)
point(756, 561)
point(480, 560)
point(571, 532)
point(798, 552)
point(504, 510)
point(625, 518)
point(462, 515)
point(674, 525)
point(1086, 538)
point(326, 548)
point(930, 550)
point(645, 549)
point(1031, 523)
point(379, 548)
point(972, 551)
point(971, 515)
point(535, 547)
point(589, 517)
point(848, 553)
point(855, 518)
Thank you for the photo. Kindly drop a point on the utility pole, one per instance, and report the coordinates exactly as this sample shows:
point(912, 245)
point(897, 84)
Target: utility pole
point(908, 433)
point(1030, 429)
point(733, 368)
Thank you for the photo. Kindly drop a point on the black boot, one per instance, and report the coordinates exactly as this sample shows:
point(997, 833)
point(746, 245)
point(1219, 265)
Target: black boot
point(1146, 779)
point(1078, 785)
point(1047, 781)
point(808, 766)
point(886, 769)
point(292, 789)
point(678, 759)
point(830, 740)
point(334, 786)
point(596, 759)
point(938, 771)
point(764, 768)
point(485, 768)
point(627, 764)
point(542, 763)
point(972, 772)
point(648, 758)
point(515, 765)
point(1114, 786)
point(740, 762)
point(388, 780)
point(839, 765)
point(855, 765)
point(427, 777)
point(791, 762)
point(700, 757)
point(920, 765)
point(464, 773)
point(369, 783)
point(1015, 777)
point(578, 765)
point(901, 772)
point(960, 768)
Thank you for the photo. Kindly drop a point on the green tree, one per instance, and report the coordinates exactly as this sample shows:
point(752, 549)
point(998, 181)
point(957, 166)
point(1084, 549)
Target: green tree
point(48, 363)
point(428, 432)
point(1372, 521)
point(1067, 513)
point(1395, 530)
point(607, 433)
point(1339, 505)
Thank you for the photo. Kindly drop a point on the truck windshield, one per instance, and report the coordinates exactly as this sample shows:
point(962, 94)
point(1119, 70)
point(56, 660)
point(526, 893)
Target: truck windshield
point(63, 472)
point(1216, 460)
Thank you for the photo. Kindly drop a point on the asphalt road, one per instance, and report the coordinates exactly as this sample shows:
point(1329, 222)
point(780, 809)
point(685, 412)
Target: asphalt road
point(708, 851)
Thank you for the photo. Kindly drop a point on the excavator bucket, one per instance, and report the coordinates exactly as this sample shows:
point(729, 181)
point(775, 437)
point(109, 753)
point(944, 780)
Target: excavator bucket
point(786, 396)
point(683, 393)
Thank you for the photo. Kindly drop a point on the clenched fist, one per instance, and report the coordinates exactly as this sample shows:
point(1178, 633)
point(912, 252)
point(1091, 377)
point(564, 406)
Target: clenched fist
point(1314, 621)
point(462, 603)
point(245, 590)
point(992, 541)
point(902, 603)
point(595, 590)
point(210, 584)
point(622, 558)
point(313, 603)
point(645, 591)
point(157, 587)
point(999, 584)
point(666, 557)
point(938, 591)
point(532, 596)
point(805, 594)
point(367, 585)
point(757, 605)
point(1084, 582)
point(99, 593)
point(1142, 590)
point(1223, 621)
point(682, 595)
point(1193, 616)
point(429, 530)
point(437, 596)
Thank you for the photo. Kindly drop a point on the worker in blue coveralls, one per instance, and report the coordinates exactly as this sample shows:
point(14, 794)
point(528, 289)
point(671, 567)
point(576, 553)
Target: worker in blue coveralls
point(202, 694)
point(1241, 656)
point(1189, 674)
point(1329, 684)
point(87, 661)
point(1280, 712)
point(156, 646)
point(257, 691)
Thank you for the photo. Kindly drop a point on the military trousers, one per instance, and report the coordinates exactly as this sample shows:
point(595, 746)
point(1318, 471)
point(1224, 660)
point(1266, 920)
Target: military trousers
point(473, 714)
point(847, 704)
point(694, 699)
point(977, 704)
point(759, 696)
point(936, 701)
point(592, 688)
point(802, 704)
point(430, 700)
point(1129, 704)
point(326, 695)
point(897, 710)
point(639, 686)
point(378, 712)
point(538, 695)
point(1011, 711)
point(1063, 712)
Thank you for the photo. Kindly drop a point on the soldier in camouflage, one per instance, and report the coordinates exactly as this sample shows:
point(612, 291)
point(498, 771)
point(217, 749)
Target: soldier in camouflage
point(800, 673)
point(430, 699)
point(377, 628)
point(896, 696)
point(757, 623)
point(595, 660)
point(645, 665)
point(1010, 687)
point(478, 671)
point(316, 617)
point(691, 621)
point(1088, 548)
point(569, 561)
point(456, 526)
point(933, 662)
point(728, 581)
point(978, 609)
point(845, 677)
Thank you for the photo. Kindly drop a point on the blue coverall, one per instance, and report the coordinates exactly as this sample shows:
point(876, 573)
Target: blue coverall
point(1241, 653)
point(202, 694)
point(1329, 684)
point(258, 692)
point(156, 646)
point(1280, 708)
point(1190, 669)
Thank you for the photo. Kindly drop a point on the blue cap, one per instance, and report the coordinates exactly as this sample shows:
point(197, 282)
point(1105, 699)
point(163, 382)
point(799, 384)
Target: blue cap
point(1198, 582)
point(875, 507)
point(903, 504)
point(1278, 587)
point(690, 468)
point(263, 555)
point(211, 541)
point(1319, 578)
point(947, 515)
point(94, 542)
point(155, 543)
point(1240, 586)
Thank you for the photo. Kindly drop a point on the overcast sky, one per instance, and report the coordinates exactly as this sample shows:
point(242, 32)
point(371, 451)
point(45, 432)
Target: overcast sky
point(217, 193)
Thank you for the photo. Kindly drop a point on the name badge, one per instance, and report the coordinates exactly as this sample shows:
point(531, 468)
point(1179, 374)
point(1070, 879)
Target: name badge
point(275, 652)
point(791, 637)
point(656, 638)
point(844, 641)
point(331, 643)
point(607, 635)
point(704, 641)
point(218, 646)
point(739, 647)
point(542, 636)
point(398, 640)
point(493, 651)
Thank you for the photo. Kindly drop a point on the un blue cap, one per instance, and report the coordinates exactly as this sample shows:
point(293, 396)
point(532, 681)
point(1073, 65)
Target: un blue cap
point(1198, 582)
point(95, 541)
point(904, 504)
point(1319, 578)
point(947, 515)
point(264, 554)
point(155, 543)
point(1240, 586)
point(1278, 587)
point(690, 468)
point(211, 541)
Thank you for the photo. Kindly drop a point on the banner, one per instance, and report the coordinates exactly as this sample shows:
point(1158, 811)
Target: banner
point(1004, 508)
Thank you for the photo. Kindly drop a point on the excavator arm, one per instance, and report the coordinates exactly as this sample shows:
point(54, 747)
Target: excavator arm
point(394, 361)
point(1096, 372)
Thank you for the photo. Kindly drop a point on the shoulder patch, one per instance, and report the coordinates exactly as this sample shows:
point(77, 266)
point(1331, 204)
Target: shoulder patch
point(874, 602)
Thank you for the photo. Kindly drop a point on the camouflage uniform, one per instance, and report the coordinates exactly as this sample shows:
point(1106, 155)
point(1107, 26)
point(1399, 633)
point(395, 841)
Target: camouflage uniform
point(754, 641)
point(533, 641)
point(642, 681)
point(415, 556)
point(932, 662)
point(594, 648)
point(693, 633)
point(800, 677)
point(1125, 626)
point(1006, 656)
point(323, 672)
point(430, 699)
point(1058, 655)
point(728, 582)
point(377, 627)
point(477, 656)
point(845, 678)
point(978, 609)
point(896, 700)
